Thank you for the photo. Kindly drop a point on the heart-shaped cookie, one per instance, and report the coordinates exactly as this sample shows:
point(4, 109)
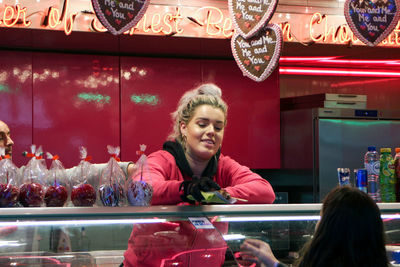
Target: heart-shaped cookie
point(118, 16)
point(249, 16)
point(259, 55)
point(372, 20)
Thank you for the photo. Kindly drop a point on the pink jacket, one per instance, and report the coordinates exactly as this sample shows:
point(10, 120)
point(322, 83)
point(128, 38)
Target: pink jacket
point(179, 243)
point(176, 243)
point(239, 181)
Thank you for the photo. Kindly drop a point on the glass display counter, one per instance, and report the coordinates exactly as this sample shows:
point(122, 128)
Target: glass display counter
point(208, 235)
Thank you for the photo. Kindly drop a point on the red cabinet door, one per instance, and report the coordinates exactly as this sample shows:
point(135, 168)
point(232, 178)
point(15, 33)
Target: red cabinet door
point(252, 135)
point(16, 99)
point(76, 103)
point(151, 89)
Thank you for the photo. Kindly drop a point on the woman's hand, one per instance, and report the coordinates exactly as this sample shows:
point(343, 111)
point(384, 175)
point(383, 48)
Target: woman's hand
point(261, 250)
point(224, 193)
point(195, 186)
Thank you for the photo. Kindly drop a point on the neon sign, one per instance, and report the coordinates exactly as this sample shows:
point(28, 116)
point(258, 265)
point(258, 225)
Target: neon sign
point(56, 19)
point(206, 22)
point(11, 15)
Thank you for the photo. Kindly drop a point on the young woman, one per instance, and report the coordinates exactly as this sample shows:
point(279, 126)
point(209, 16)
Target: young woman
point(191, 162)
point(350, 233)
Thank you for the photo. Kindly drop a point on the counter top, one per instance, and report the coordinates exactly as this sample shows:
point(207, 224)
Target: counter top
point(183, 211)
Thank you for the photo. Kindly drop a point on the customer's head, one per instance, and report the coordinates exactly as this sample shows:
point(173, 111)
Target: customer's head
point(350, 232)
point(200, 120)
point(5, 138)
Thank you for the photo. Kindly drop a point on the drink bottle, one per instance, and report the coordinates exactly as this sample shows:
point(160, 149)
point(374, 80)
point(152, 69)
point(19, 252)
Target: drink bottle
point(344, 176)
point(361, 180)
point(386, 176)
point(371, 163)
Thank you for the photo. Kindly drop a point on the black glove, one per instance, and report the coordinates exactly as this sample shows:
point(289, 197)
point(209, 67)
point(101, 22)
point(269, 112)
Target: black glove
point(195, 186)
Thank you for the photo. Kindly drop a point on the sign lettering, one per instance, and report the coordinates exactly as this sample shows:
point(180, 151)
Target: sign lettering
point(258, 56)
point(249, 16)
point(372, 21)
point(174, 21)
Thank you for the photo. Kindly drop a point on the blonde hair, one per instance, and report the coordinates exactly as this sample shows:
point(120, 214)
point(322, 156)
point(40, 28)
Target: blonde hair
point(205, 94)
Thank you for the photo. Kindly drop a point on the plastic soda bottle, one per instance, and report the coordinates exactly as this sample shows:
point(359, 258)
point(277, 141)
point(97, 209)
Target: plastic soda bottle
point(386, 176)
point(397, 172)
point(371, 163)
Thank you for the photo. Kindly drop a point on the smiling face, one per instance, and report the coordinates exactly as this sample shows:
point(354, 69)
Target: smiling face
point(5, 139)
point(204, 132)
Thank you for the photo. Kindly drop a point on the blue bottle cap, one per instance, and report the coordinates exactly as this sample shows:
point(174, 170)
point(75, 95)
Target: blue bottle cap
point(371, 148)
point(396, 256)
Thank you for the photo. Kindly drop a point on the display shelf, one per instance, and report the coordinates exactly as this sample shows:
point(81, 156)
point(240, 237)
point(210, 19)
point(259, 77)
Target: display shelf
point(98, 236)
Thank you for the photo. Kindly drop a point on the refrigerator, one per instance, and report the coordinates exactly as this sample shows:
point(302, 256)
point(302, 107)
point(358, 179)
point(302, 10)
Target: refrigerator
point(317, 141)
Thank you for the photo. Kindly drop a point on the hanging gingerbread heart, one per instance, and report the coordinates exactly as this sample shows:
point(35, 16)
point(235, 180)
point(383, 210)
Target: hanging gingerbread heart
point(259, 55)
point(372, 20)
point(118, 16)
point(249, 16)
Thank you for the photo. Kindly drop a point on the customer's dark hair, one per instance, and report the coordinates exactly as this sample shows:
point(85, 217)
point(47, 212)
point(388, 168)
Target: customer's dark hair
point(350, 233)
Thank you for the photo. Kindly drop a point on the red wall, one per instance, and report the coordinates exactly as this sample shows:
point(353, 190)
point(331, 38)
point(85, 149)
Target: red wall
point(39, 99)
point(382, 93)
point(16, 98)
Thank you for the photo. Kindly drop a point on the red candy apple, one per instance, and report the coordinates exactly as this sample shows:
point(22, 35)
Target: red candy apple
point(111, 195)
point(139, 193)
point(31, 195)
point(8, 195)
point(56, 196)
point(83, 195)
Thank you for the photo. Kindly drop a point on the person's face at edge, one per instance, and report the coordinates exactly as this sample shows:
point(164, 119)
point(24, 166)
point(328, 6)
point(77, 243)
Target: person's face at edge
point(5, 139)
point(204, 132)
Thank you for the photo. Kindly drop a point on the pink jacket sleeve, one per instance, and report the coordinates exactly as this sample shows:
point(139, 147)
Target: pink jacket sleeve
point(239, 181)
point(164, 178)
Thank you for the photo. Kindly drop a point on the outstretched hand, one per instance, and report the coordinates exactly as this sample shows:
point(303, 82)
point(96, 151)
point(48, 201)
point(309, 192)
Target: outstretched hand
point(261, 250)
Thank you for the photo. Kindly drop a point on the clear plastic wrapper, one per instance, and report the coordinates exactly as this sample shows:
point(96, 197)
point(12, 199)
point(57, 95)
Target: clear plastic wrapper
point(111, 189)
point(138, 188)
point(32, 188)
point(9, 181)
point(83, 182)
point(57, 185)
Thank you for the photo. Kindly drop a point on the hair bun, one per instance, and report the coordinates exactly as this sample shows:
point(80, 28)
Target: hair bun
point(209, 89)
